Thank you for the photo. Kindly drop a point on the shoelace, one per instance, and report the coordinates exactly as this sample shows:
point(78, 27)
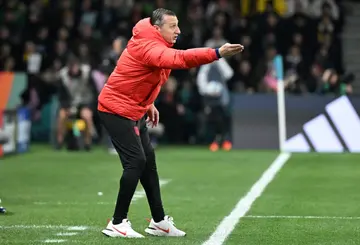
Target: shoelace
point(128, 221)
point(171, 220)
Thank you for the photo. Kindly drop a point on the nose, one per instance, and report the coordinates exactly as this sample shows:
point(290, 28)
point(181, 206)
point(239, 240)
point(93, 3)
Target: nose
point(177, 31)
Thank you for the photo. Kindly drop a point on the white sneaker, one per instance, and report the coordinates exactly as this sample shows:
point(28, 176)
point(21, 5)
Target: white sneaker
point(165, 227)
point(121, 230)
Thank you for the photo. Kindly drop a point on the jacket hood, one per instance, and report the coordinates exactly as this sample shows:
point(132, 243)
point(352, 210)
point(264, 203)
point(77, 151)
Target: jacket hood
point(143, 30)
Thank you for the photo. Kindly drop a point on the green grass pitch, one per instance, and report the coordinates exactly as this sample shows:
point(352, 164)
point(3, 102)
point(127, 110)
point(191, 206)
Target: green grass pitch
point(53, 197)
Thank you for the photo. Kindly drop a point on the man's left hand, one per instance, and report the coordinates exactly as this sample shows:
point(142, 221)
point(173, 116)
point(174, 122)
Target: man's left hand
point(153, 116)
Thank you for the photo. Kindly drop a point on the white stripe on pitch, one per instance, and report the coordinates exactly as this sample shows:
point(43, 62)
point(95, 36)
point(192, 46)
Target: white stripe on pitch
point(56, 227)
point(228, 224)
point(54, 241)
point(301, 217)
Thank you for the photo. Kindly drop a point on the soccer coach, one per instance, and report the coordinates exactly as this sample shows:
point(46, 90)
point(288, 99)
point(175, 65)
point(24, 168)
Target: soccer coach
point(129, 94)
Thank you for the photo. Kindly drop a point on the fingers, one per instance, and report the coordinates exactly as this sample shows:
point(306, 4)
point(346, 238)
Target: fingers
point(152, 115)
point(230, 49)
point(150, 124)
point(157, 118)
point(235, 46)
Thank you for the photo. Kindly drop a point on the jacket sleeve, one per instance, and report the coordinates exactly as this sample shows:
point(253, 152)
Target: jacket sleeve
point(169, 58)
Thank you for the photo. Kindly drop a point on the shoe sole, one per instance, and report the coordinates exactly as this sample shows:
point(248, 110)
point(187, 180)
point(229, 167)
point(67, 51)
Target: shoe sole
point(159, 233)
point(109, 233)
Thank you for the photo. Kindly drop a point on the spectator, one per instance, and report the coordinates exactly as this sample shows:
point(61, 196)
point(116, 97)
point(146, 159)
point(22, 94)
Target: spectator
point(324, 7)
point(296, 7)
point(211, 81)
point(217, 38)
point(331, 82)
point(77, 96)
point(242, 79)
point(33, 58)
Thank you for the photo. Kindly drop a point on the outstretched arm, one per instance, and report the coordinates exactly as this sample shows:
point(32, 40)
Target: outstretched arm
point(169, 58)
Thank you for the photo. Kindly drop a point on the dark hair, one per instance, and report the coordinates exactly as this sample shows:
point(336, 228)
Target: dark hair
point(158, 16)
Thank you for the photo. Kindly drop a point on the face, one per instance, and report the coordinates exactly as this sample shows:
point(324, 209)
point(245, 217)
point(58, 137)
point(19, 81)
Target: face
point(294, 51)
point(333, 79)
point(315, 70)
point(63, 34)
point(5, 50)
point(30, 47)
point(246, 41)
point(217, 33)
point(170, 85)
point(298, 39)
point(117, 45)
point(326, 10)
point(83, 49)
point(169, 30)
point(271, 52)
point(244, 67)
point(44, 32)
point(9, 64)
point(74, 69)
point(272, 20)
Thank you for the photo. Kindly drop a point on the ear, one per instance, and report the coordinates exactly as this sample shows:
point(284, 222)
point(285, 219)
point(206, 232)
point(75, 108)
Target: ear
point(157, 27)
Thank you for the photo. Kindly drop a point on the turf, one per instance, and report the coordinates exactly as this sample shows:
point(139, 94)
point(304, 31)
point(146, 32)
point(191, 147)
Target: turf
point(53, 196)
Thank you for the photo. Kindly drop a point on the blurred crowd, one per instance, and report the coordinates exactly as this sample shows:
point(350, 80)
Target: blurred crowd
point(39, 37)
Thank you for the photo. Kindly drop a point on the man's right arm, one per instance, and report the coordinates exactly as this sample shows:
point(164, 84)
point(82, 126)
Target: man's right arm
point(161, 56)
point(169, 58)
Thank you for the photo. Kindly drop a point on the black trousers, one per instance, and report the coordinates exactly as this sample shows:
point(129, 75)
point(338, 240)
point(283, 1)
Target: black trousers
point(131, 141)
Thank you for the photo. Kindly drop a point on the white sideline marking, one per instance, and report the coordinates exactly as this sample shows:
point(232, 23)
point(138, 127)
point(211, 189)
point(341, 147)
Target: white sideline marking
point(77, 228)
point(73, 203)
point(299, 217)
point(57, 227)
point(137, 195)
point(66, 233)
point(54, 241)
point(228, 224)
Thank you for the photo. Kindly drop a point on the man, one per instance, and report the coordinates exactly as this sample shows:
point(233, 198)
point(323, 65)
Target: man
point(212, 83)
point(129, 94)
point(77, 94)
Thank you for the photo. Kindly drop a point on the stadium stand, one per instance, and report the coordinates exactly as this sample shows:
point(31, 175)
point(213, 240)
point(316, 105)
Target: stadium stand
point(37, 37)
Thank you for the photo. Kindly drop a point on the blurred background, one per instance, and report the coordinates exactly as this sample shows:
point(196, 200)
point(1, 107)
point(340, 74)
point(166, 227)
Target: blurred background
point(317, 40)
point(55, 57)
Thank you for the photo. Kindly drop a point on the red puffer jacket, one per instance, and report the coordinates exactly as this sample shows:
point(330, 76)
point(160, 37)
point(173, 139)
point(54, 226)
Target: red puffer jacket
point(143, 67)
